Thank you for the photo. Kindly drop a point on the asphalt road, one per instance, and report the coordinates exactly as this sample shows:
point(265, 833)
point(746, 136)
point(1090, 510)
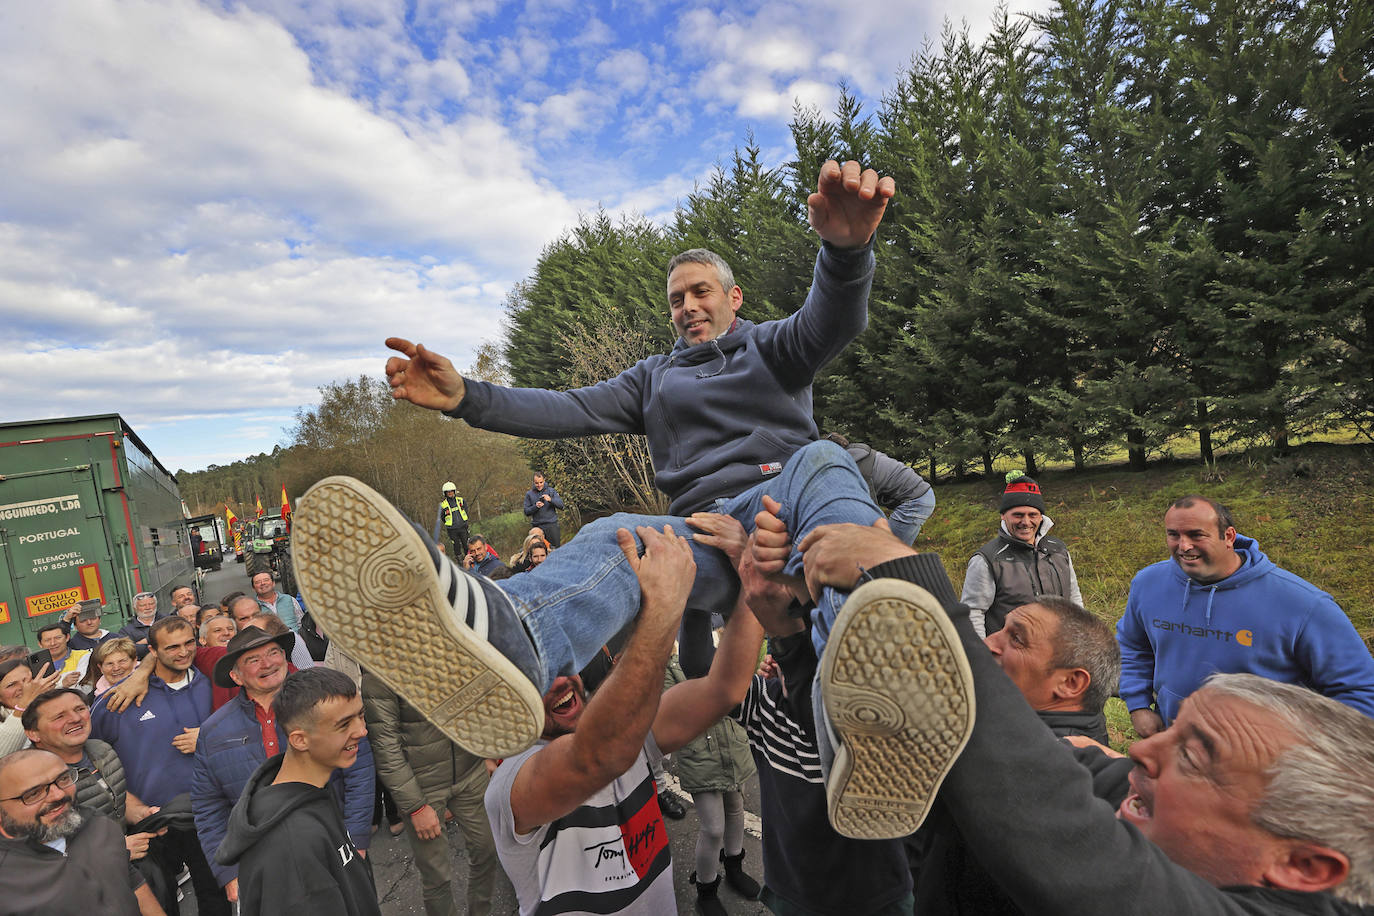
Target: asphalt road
point(398, 883)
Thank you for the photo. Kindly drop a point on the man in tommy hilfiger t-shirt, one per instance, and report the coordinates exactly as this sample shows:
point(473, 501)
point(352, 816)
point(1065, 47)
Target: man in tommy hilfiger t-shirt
point(576, 817)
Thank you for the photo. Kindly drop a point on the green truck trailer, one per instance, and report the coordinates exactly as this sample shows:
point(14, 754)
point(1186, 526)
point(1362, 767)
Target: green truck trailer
point(86, 511)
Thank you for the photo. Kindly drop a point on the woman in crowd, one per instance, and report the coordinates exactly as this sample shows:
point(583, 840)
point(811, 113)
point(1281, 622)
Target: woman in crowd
point(524, 561)
point(18, 687)
point(714, 768)
point(112, 662)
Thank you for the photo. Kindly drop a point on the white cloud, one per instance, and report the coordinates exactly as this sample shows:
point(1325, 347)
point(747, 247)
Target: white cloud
point(626, 70)
point(761, 57)
point(210, 209)
point(132, 129)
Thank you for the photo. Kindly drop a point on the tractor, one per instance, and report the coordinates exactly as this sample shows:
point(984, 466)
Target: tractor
point(268, 549)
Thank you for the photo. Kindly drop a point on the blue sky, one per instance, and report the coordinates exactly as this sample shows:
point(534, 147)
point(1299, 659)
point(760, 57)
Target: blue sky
point(211, 209)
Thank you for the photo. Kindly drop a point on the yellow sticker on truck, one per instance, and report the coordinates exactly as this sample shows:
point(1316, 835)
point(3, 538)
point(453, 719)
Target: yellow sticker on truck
point(39, 605)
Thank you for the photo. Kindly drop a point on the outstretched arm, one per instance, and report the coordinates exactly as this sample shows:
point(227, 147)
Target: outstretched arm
point(845, 211)
point(612, 729)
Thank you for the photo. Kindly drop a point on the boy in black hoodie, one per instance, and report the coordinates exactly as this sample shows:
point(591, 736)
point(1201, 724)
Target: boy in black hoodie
point(285, 833)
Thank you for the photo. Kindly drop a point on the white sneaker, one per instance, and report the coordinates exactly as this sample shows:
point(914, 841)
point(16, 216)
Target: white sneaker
point(898, 689)
point(447, 640)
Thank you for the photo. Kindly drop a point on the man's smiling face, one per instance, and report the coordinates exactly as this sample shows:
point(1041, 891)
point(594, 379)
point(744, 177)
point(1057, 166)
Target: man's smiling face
point(1023, 522)
point(563, 705)
point(63, 724)
point(1202, 548)
point(700, 308)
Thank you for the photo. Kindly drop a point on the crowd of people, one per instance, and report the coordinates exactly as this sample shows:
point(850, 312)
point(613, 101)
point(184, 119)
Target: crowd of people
point(916, 751)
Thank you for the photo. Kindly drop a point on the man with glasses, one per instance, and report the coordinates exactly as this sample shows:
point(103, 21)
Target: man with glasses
point(241, 735)
point(60, 721)
point(55, 858)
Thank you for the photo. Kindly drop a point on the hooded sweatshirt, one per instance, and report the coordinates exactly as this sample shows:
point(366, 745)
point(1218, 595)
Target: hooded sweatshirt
point(1259, 620)
point(720, 416)
point(293, 852)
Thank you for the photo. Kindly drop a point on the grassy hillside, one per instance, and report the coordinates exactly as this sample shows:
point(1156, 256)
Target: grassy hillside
point(1311, 512)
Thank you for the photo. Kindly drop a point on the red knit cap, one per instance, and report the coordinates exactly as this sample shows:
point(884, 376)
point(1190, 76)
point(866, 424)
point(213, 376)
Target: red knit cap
point(1021, 491)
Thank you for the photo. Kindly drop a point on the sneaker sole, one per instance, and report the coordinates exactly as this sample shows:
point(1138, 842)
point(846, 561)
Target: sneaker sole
point(898, 690)
point(368, 578)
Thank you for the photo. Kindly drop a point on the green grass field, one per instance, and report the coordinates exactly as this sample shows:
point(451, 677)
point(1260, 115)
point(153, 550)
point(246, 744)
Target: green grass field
point(1312, 513)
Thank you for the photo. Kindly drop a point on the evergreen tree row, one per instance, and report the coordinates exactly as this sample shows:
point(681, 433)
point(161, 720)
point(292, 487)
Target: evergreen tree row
point(1117, 223)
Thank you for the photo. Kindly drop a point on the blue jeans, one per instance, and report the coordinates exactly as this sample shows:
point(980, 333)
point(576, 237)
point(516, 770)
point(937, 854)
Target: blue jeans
point(906, 520)
point(586, 592)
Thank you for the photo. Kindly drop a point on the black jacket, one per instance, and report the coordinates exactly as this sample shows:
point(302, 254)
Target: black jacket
point(1019, 801)
point(293, 852)
point(1090, 724)
point(94, 877)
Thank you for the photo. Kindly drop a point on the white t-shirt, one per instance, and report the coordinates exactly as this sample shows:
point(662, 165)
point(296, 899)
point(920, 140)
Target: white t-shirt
point(611, 855)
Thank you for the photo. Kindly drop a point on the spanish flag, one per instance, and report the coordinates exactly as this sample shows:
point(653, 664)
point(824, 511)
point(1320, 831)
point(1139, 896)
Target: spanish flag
point(261, 511)
point(285, 506)
point(234, 535)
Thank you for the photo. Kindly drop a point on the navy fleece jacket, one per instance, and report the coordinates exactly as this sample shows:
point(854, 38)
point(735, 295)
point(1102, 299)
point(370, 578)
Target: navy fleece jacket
point(1259, 620)
point(142, 736)
point(720, 416)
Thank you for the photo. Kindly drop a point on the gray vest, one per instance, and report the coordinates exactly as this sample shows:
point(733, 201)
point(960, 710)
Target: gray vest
point(105, 789)
point(1022, 572)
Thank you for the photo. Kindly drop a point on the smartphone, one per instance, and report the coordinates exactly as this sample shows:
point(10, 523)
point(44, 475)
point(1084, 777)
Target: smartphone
point(38, 659)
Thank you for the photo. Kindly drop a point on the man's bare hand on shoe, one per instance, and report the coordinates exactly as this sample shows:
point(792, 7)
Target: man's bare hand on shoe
point(423, 377)
point(836, 555)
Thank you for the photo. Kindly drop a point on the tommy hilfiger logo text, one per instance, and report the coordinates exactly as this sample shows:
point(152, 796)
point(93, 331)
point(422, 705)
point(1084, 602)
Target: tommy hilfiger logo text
point(1242, 637)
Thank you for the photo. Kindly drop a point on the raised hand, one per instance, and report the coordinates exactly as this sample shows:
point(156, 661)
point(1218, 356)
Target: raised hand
point(666, 571)
point(849, 203)
point(43, 681)
point(423, 377)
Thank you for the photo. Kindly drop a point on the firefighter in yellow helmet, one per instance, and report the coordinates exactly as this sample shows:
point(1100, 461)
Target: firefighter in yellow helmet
point(453, 517)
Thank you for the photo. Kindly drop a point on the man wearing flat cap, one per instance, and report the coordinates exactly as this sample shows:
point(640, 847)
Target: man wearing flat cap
point(240, 736)
point(1023, 562)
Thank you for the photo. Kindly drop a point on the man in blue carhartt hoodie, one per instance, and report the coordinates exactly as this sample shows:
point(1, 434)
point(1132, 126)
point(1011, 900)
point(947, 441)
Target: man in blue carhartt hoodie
point(1220, 605)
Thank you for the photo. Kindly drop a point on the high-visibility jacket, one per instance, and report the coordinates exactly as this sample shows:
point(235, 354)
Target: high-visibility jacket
point(447, 508)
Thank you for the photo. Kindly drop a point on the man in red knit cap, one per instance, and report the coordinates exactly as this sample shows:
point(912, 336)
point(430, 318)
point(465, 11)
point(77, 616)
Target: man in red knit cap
point(1022, 562)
